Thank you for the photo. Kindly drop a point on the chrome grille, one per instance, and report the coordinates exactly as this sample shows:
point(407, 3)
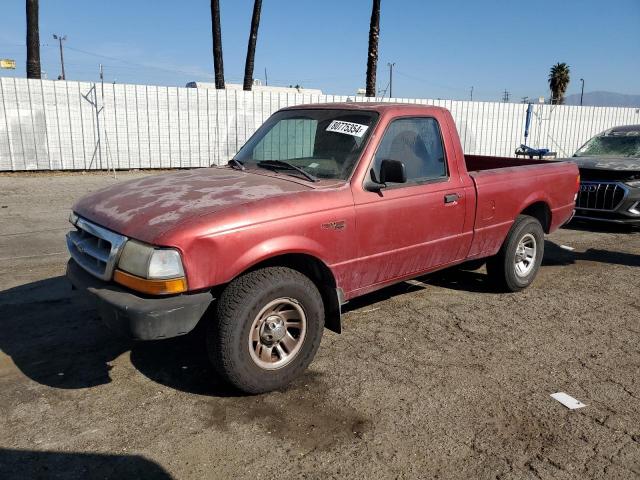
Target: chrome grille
point(606, 196)
point(95, 248)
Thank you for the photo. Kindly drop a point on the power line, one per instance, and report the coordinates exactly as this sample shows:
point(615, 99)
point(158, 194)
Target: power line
point(183, 72)
point(152, 67)
point(133, 64)
point(428, 82)
point(383, 91)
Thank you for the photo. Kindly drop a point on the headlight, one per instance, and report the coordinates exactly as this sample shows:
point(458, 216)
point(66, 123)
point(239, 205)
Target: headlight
point(73, 218)
point(165, 264)
point(150, 270)
point(149, 262)
point(633, 183)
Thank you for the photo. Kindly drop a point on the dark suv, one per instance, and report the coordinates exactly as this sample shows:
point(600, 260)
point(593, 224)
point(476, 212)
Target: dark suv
point(609, 166)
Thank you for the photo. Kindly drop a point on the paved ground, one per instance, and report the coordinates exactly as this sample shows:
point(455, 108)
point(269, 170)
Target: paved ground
point(438, 378)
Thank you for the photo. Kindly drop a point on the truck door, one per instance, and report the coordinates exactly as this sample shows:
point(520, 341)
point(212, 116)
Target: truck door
point(415, 226)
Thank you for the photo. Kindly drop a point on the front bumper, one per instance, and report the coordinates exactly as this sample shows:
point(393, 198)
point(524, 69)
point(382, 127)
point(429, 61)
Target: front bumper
point(608, 218)
point(140, 317)
point(627, 212)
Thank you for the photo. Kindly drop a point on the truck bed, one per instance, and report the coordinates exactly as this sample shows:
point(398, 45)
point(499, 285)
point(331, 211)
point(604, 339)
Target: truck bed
point(477, 163)
point(503, 185)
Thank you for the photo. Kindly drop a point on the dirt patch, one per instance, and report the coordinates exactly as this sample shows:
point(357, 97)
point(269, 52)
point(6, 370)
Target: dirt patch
point(442, 377)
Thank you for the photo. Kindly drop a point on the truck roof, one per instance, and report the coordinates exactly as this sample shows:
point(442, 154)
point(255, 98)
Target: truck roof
point(379, 107)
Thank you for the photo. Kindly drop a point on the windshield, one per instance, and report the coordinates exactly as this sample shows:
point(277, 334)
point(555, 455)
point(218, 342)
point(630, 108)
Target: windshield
point(323, 143)
point(611, 145)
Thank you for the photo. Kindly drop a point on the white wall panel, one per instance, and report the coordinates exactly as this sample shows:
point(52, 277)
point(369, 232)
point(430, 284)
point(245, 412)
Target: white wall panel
point(49, 125)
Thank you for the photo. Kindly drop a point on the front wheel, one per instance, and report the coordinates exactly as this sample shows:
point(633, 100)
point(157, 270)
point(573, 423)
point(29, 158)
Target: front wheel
point(518, 261)
point(267, 329)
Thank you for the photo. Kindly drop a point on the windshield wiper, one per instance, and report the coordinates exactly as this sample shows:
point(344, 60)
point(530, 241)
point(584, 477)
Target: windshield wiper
point(275, 164)
point(238, 164)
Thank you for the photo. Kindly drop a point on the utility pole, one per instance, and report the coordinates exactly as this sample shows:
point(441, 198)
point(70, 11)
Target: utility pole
point(505, 96)
point(61, 38)
point(471, 94)
point(525, 99)
point(266, 79)
point(581, 91)
point(391, 65)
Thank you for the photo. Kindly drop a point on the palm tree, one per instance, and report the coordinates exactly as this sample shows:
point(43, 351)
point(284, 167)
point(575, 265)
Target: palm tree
point(218, 67)
point(251, 47)
point(372, 56)
point(33, 40)
point(558, 82)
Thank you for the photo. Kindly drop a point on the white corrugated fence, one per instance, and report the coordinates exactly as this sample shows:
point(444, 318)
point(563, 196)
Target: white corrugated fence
point(65, 125)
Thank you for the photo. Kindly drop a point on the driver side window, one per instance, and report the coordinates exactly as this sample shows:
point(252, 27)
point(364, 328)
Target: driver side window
point(417, 143)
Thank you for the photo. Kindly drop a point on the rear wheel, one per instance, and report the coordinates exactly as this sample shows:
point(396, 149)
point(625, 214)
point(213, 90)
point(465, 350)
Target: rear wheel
point(518, 261)
point(267, 329)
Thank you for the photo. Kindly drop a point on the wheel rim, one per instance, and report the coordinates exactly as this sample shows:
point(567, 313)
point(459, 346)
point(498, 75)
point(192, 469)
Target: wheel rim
point(525, 256)
point(277, 333)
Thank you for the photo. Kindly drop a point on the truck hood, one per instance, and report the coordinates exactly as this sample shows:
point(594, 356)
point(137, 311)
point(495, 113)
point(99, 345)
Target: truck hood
point(148, 207)
point(607, 163)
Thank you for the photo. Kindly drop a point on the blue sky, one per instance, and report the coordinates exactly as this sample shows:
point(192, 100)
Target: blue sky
point(441, 49)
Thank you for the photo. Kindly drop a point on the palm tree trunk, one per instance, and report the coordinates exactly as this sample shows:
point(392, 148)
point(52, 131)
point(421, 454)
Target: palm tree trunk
point(33, 40)
point(251, 47)
point(218, 67)
point(372, 56)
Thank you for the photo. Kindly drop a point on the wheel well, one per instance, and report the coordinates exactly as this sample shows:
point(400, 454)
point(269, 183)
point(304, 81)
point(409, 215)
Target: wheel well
point(540, 211)
point(319, 274)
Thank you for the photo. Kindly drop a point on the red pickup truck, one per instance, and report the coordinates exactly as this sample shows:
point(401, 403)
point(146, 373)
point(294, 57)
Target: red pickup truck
point(323, 203)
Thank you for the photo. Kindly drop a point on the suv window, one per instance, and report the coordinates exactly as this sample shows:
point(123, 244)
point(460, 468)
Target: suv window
point(417, 143)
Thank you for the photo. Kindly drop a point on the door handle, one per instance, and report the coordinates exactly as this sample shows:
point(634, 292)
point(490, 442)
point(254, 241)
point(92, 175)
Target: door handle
point(451, 197)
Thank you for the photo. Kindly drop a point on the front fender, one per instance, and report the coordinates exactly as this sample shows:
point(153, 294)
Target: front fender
point(273, 248)
point(270, 248)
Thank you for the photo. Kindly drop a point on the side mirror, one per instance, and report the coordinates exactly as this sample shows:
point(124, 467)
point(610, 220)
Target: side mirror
point(392, 171)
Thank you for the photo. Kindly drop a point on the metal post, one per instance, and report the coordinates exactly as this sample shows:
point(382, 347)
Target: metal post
point(107, 150)
point(391, 65)
point(99, 143)
point(581, 91)
point(471, 95)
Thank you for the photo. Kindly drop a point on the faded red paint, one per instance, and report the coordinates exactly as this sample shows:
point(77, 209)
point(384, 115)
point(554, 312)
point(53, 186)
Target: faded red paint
point(225, 221)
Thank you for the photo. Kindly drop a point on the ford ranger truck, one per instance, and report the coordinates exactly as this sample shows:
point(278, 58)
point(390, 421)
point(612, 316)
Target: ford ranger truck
point(324, 203)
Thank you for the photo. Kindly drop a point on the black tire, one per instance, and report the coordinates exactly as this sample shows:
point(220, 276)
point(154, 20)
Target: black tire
point(228, 334)
point(503, 269)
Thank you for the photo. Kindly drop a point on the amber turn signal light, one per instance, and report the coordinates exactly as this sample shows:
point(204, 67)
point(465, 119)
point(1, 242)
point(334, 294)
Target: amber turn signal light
point(152, 287)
